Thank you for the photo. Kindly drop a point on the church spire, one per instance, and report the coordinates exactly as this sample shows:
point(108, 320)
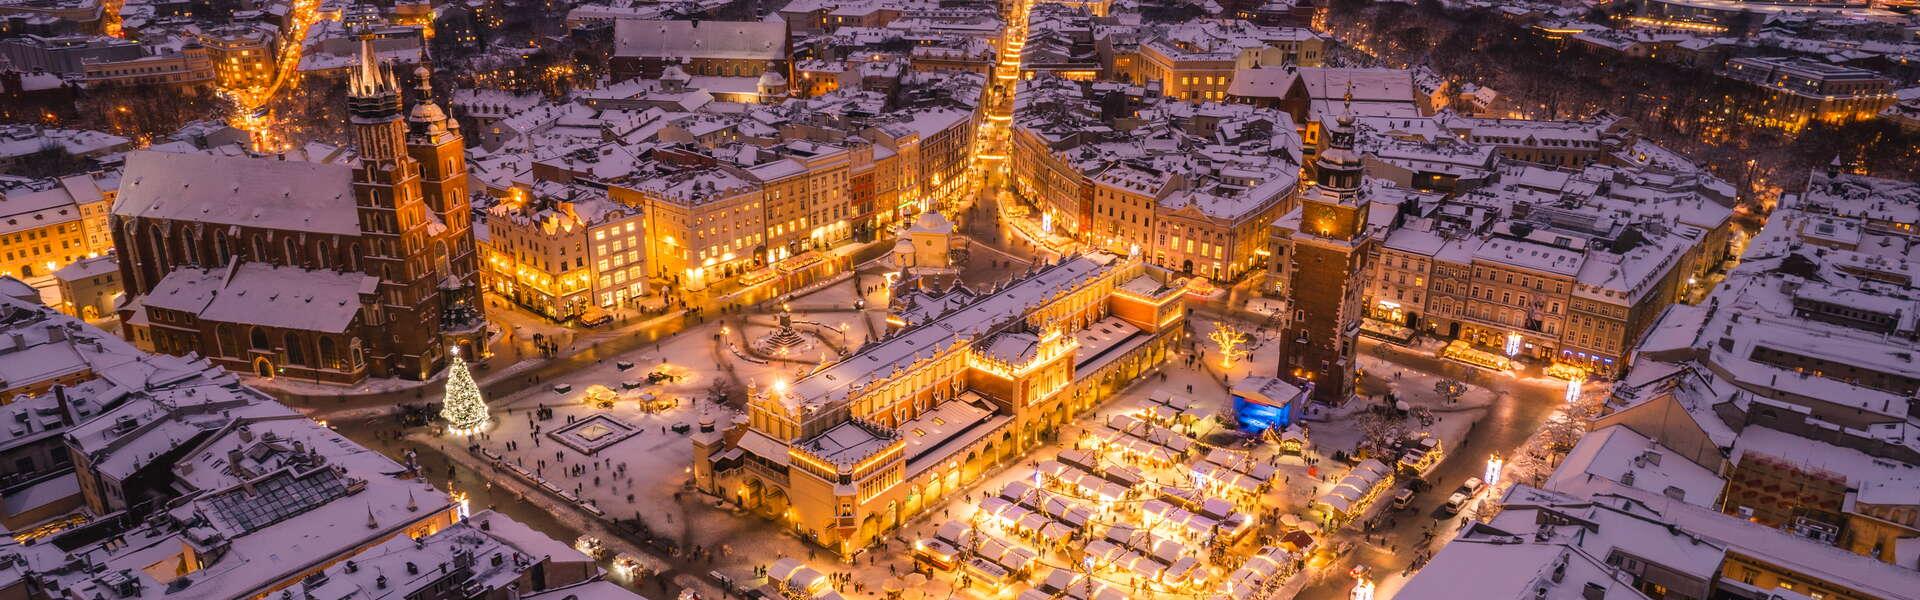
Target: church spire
point(373, 102)
point(370, 78)
point(372, 95)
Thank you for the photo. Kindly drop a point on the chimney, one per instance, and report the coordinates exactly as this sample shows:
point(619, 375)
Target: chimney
point(66, 410)
point(1593, 591)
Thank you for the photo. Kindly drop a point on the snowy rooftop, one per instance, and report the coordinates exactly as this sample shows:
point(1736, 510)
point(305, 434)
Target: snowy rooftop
point(749, 40)
point(487, 551)
point(1539, 257)
point(1610, 454)
point(1795, 294)
point(1862, 573)
point(106, 264)
point(22, 211)
point(878, 360)
point(253, 293)
point(848, 443)
point(268, 494)
point(22, 140)
point(1462, 570)
point(1098, 342)
point(1872, 198)
point(252, 192)
point(934, 435)
point(1878, 480)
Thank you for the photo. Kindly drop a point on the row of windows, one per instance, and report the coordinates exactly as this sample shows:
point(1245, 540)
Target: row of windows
point(1537, 283)
point(32, 252)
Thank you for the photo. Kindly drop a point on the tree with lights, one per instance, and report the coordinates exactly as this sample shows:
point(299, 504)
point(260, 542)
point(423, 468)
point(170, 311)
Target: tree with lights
point(1231, 342)
point(1449, 389)
point(463, 408)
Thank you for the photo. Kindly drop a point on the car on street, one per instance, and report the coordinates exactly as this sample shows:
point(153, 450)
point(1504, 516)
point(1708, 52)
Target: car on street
point(1461, 496)
point(1403, 500)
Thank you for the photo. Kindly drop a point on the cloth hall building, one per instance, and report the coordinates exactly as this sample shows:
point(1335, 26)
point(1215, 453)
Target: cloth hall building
point(965, 380)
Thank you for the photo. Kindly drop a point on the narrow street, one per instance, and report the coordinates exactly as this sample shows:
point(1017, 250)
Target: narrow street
point(1521, 408)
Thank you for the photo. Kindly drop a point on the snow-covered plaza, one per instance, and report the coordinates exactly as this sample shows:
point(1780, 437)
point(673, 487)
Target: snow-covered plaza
point(1154, 494)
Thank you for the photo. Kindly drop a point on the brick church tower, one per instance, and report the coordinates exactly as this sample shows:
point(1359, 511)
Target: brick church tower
point(1329, 257)
point(414, 218)
point(434, 143)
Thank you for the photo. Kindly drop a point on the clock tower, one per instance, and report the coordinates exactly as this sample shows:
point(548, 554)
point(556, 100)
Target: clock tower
point(1330, 248)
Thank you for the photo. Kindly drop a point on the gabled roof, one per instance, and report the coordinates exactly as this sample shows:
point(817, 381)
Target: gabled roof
point(260, 294)
point(764, 40)
point(252, 192)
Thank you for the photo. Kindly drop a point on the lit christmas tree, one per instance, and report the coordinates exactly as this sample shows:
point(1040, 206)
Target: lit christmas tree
point(463, 408)
point(1232, 344)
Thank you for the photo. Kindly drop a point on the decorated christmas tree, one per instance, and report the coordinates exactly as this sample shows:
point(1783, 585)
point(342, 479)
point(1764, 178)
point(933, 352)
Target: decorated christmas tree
point(463, 408)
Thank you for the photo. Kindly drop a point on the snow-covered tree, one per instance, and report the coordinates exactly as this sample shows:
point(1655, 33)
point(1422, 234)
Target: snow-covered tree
point(1379, 432)
point(463, 408)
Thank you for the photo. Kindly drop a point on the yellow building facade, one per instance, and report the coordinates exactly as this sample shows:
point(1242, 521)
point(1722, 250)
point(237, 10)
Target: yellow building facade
point(854, 448)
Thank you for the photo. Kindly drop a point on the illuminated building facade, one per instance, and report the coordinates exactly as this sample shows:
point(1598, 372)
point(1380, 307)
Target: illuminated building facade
point(188, 67)
point(1801, 91)
point(564, 251)
point(242, 57)
point(1131, 190)
point(1196, 61)
point(854, 448)
point(1546, 269)
point(43, 231)
point(710, 218)
point(702, 226)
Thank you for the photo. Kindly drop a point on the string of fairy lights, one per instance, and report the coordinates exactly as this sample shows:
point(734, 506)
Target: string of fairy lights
point(1089, 567)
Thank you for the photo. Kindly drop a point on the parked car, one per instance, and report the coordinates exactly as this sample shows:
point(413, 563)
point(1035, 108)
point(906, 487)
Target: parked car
point(1403, 500)
point(1462, 495)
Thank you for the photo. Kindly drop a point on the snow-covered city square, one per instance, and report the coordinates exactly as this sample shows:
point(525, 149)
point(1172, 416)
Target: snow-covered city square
point(959, 300)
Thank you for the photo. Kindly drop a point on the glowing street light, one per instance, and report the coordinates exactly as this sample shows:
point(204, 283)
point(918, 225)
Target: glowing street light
point(1492, 476)
point(1362, 590)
